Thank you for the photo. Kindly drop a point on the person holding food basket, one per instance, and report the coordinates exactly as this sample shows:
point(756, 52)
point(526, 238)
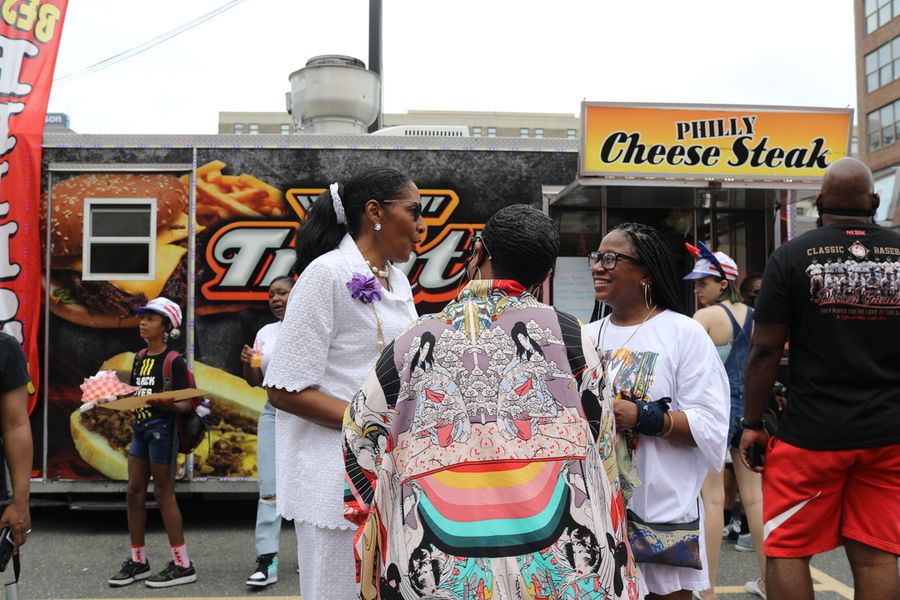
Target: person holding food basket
point(152, 449)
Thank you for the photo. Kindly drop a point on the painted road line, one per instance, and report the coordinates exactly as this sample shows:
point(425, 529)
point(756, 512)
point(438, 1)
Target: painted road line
point(833, 584)
point(824, 583)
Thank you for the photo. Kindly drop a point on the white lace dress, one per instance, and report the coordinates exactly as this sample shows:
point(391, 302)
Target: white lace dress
point(328, 341)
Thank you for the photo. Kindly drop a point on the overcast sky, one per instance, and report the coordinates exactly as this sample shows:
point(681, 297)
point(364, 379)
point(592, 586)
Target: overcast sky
point(485, 55)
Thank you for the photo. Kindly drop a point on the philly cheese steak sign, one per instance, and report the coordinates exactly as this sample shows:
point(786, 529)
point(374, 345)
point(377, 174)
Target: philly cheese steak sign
point(734, 142)
point(245, 256)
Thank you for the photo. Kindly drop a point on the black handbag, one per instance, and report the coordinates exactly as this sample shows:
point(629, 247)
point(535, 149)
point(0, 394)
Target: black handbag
point(672, 544)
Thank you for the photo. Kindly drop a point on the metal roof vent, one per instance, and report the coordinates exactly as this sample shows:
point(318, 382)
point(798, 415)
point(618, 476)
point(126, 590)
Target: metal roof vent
point(334, 94)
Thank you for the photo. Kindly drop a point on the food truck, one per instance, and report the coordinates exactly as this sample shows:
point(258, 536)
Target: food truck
point(209, 221)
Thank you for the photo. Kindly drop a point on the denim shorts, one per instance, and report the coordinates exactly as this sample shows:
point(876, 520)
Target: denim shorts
point(153, 440)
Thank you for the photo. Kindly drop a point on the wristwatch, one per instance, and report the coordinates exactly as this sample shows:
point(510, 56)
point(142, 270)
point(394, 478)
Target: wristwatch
point(752, 424)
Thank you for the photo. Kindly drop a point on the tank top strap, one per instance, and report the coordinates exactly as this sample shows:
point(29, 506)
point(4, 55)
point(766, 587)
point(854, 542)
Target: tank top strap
point(735, 327)
point(747, 329)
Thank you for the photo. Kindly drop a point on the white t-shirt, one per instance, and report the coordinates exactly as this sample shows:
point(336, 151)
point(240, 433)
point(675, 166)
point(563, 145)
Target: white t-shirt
point(672, 356)
point(328, 341)
point(265, 343)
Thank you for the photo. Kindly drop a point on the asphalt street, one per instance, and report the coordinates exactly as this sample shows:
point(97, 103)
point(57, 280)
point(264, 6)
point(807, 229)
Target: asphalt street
point(72, 553)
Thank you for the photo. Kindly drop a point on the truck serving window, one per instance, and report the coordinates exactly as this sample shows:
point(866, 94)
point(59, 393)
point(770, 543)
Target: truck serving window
point(119, 239)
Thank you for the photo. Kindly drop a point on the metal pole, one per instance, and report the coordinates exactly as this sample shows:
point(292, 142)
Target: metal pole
point(375, 57)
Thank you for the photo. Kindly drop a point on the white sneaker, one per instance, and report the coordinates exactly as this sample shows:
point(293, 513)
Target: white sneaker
point(744, 543)
point(753, 588)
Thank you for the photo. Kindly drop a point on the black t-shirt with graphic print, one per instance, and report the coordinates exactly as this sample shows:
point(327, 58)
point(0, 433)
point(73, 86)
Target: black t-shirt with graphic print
point(838, 288)
point(147, 375)
point(13, 367)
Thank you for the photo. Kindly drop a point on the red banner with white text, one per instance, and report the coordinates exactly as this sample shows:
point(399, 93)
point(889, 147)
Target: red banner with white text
point(29, 39)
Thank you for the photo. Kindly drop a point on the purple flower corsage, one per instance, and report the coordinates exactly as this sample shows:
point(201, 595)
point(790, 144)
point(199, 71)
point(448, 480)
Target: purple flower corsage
point(365, 289)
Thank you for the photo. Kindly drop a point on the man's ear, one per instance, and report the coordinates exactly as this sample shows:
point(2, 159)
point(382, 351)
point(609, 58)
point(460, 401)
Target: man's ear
point(876, 201)
point(546, 276)
point(819, 201)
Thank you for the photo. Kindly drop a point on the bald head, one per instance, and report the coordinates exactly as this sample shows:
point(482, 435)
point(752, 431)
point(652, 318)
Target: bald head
point(848, 184)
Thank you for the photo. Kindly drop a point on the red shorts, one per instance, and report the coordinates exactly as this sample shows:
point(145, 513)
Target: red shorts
point(814, 498)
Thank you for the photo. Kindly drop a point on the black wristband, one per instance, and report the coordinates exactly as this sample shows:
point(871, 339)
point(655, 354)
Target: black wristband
point(650, 419)
point(761, 424)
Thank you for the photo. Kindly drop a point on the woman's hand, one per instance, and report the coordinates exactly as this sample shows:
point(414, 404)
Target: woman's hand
point(626, 414)
point(246, 354)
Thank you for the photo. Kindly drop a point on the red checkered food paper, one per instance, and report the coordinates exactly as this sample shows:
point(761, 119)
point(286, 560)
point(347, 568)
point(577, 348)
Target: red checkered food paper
point(103, 385)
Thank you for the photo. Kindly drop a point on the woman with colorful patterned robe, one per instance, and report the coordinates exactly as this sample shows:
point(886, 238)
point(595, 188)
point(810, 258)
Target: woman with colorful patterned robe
point(478, 452)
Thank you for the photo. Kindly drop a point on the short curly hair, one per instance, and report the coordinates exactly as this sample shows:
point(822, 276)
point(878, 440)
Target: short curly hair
point(522, 242)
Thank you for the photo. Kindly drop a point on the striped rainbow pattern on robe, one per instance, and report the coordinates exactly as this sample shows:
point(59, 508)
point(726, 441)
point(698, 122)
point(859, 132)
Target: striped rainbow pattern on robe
point(495, 509)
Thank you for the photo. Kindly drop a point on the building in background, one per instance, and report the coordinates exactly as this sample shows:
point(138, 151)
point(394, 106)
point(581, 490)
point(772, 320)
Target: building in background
point(480, 124)
point(57, 123)
point(878, 97)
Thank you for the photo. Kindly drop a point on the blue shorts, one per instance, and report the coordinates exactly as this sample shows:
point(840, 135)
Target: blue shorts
point(153, 440)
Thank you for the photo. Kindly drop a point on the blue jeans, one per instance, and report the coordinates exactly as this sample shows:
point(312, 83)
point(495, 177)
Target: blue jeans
point(268, 521)
point(153, 439)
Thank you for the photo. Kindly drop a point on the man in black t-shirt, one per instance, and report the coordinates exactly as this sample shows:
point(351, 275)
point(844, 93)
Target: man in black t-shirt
point(16, 432)
point(832, 471)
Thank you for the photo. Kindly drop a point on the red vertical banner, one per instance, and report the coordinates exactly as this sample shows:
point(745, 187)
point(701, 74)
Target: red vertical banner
point(29, 39)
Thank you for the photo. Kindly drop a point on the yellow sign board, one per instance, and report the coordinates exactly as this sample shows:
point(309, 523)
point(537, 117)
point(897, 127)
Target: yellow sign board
point(741, 142)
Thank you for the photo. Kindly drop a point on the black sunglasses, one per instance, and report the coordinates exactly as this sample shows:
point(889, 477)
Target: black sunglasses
point(415, 208)
point(608, 260)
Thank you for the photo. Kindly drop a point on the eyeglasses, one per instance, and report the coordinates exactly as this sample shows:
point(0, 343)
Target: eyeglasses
point(415, 208)
point(608, 260)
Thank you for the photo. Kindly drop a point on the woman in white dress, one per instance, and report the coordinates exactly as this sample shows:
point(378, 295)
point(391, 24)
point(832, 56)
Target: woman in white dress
point(671, 390)
point(348, 303)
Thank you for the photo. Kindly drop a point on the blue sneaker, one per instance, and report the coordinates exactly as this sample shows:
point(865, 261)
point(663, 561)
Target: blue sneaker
point(266, 572)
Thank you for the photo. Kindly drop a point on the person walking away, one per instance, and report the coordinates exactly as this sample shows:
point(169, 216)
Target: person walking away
point(255, 361)
point(479, 452)
point(671, 401)
point(729, 323)
point(831, 473)
point(348, 304)
point(16, 435)
point(152, 450)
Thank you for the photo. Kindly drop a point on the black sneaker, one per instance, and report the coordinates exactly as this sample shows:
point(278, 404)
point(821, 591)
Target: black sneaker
point(266, 572)
point(129, 573)
point(172, 575)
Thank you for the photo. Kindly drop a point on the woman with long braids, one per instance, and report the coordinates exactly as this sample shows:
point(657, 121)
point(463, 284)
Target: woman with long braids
point(670, 394)
point(349, 302)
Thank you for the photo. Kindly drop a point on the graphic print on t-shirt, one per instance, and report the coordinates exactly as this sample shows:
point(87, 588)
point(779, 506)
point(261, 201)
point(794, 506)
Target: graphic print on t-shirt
point(857, 281)
point(630, 372)
point(146, 374)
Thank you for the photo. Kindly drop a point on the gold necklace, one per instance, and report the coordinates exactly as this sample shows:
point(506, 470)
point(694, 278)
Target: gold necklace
point(602, 336)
